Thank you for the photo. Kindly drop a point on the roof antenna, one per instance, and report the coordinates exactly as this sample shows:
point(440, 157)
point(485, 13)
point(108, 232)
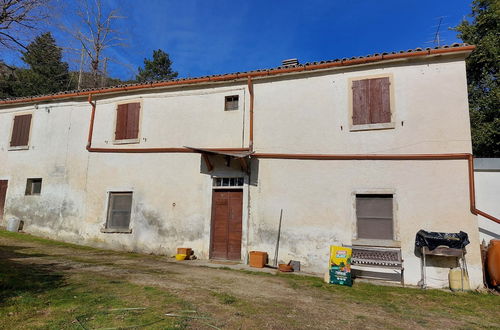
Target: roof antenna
point(437, 39)
point(437, 35)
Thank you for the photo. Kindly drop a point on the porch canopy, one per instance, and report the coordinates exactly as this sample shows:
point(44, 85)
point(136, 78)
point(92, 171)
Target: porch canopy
point(241, 156)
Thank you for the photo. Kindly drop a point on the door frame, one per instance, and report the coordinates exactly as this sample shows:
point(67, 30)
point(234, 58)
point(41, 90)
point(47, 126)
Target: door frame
point(2, 218)
point(243, 229)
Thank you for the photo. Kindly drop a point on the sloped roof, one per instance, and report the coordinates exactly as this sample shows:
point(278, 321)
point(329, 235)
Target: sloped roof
point(339, 62)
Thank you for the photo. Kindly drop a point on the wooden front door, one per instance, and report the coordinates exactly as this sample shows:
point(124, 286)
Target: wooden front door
point(3, 193)
point(227, 207)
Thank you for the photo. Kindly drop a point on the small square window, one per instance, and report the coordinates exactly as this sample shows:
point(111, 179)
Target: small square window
point(33, 187)
point(231, 103)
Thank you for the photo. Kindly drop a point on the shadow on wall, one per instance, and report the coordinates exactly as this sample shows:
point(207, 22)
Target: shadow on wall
point(17, 278)
point(226, 166)
point(437, 261)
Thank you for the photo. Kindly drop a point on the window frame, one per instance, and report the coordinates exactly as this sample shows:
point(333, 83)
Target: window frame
point(29, 186)
point(106, 228)
point(377, 126)
point(395, 241)
point(139, 131)
point(237, 96)
point(233, 182)
point(23, 147)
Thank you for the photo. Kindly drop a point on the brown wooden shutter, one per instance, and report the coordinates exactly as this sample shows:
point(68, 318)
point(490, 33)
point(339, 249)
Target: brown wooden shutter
point(121, 122)
point(127, 121)
point(360, 102)
point(21, 131)
point(380, 108)
point(133, 120)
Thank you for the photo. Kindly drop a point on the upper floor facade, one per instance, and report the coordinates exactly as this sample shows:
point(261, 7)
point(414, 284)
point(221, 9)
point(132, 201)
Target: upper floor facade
point(411, 104)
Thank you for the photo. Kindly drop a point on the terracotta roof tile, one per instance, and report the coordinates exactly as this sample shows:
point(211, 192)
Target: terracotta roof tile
point(269, 70)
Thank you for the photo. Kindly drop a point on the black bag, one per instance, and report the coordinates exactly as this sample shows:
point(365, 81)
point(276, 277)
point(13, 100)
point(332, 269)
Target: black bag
point(433, 239)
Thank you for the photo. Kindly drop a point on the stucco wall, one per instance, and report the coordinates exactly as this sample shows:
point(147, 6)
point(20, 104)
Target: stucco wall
point(487, 180)
point(306, 113)
point(312, 115)
point(317, 198)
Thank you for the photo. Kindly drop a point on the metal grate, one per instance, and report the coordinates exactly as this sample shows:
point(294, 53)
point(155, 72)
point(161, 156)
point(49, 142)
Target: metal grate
point(380, 257)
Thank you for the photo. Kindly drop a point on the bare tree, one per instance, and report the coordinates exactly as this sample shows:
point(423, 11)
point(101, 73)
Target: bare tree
point(17, 17)
point(96, 33)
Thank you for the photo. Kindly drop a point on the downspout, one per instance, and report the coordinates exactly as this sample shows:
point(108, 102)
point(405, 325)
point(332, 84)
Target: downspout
point(250, 147)
point(91, 126)
point(250, 90)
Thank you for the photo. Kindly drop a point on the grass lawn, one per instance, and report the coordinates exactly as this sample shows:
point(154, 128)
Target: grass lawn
point(54, 285)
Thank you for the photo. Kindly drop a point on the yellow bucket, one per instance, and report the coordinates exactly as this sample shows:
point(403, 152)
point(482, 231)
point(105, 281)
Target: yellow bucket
point(180, 256)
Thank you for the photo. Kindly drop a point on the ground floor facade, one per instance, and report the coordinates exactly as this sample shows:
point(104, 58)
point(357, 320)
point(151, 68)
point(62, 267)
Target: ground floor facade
point(155, 203)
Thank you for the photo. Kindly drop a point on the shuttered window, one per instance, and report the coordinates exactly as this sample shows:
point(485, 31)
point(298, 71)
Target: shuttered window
point(374, 215)
point(127, 121)
point(119, 207)
point(21, 131)
point(371, 101)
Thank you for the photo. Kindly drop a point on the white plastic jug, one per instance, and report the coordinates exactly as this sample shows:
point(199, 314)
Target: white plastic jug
point(459, 280)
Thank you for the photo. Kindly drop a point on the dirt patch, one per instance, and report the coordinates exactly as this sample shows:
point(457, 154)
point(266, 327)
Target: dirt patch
point(243, 300)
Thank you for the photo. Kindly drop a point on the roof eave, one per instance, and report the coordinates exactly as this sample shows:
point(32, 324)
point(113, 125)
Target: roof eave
point(369, 60)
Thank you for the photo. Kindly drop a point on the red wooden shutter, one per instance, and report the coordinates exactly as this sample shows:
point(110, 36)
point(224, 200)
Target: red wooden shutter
point(360, 102)
point(21, 131)
point(133, 120)
point(121, 122)
point(380, 108)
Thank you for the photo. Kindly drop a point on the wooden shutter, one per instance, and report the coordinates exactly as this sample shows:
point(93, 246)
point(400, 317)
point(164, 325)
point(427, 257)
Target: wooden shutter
point(360, 102)
point(119, 208)
point(374, 217)
point(121, 122)
point(127, 121)
point(133, 120)
point(380, 107)
point(21, 131)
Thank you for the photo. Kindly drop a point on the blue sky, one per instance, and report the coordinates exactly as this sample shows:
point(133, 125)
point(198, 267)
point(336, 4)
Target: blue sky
point(220, 36)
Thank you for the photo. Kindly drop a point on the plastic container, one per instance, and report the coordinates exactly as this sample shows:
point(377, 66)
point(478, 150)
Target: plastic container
point(493, 262)
point(257, 259)
point(180, 257)
point(457, 278)
point(285, 268)
point(13, 224)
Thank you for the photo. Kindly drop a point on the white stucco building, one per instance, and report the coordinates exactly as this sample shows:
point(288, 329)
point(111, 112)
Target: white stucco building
point(362, 151)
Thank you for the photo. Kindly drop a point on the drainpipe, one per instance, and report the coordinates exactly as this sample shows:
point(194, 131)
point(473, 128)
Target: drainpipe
point(250, 90)
point(91, 126)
